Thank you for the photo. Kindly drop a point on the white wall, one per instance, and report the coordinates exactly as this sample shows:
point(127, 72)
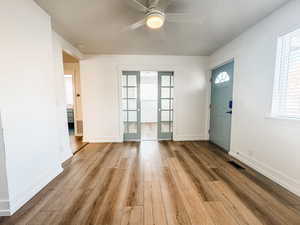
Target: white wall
point(59, 44)
point(29, 101)
point(269, 145)
point(4, 198)
point(101, 94)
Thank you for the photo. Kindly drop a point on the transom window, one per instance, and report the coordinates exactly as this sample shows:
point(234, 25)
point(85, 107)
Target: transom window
point(222, 77)
point(286, 95)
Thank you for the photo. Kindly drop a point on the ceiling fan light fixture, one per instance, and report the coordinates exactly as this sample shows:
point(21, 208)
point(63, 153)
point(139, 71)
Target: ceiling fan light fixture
point(155, 20)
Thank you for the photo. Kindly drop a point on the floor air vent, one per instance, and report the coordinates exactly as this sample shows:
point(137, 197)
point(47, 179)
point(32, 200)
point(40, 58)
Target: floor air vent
point(237, 166)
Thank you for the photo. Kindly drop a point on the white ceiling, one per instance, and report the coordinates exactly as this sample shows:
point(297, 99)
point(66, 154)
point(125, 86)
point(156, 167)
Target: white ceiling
point(97, 25)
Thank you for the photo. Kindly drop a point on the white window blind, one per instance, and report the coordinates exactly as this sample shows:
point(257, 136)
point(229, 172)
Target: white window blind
point(286, 96)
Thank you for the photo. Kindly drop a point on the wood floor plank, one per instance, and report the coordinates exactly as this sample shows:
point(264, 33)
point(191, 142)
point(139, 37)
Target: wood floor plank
point(158, 183)
point(200, 181)
point(191, 199)
point(260, 202)
point(158, 208)
point(175, 211)
point(219, 214)
point(148, 204)
point(236, 204)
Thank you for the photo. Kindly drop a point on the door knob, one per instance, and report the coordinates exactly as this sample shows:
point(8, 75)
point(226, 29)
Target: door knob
point(229, 112)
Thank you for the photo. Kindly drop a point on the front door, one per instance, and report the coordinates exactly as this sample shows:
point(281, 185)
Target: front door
point(165, 105)
point(221, 105)
point(131, 105)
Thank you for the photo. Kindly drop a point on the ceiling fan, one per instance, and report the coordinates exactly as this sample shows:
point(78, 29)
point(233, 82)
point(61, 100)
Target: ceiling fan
point(156, 15)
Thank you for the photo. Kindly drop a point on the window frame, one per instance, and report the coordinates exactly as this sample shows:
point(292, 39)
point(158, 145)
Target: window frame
point(278, 75)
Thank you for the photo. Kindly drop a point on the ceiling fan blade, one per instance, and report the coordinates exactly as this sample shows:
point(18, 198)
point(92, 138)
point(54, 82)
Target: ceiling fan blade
point(137, 5)
point(183, 18)
point(135, 25)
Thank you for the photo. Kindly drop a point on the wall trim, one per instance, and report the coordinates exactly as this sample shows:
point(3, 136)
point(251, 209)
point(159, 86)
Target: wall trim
point(197, 137)
point(282, 179)
point(18, 201)
point(5, 213)
point(4, 208)
point(105, 139)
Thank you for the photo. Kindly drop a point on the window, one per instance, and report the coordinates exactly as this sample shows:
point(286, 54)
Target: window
point(286, 95)
point(222, 77)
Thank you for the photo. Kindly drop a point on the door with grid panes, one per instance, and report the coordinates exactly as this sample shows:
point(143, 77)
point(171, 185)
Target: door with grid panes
point(131, 105)
point(165, 105)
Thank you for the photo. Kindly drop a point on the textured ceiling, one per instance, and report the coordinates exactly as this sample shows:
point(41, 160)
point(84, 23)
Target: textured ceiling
point(96, 25)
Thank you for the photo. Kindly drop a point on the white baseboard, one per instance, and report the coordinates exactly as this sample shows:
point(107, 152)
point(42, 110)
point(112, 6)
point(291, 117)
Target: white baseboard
point(189, 138)
point(282, 179)
point(103, 140)
point(18, 201)
point(119, 139)
point(5, 213)
point(4, 208)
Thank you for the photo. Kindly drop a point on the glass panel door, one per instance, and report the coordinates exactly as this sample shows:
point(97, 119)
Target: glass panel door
point(165, 105)
point(131, 105)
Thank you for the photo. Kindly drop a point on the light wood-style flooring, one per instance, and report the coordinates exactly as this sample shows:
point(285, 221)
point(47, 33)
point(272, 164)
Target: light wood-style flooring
point(158, 183)
point(76, 143)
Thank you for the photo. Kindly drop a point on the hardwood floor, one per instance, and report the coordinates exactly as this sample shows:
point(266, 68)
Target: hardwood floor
point(158, 183)
point(76, 143)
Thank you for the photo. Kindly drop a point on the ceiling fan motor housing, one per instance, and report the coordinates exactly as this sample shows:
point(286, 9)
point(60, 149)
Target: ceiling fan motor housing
point(155, 18)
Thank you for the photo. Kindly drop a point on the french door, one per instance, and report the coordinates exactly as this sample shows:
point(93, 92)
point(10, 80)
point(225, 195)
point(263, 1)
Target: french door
point(165, 105)
point(131, 105)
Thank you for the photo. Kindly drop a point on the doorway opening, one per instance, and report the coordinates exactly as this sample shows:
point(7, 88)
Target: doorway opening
point(69, 89)
point(147, 105)
point(73, 100)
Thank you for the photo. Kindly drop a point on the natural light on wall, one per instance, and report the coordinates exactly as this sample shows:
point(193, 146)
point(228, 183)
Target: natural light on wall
point(69, 89)
point(286, 96)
